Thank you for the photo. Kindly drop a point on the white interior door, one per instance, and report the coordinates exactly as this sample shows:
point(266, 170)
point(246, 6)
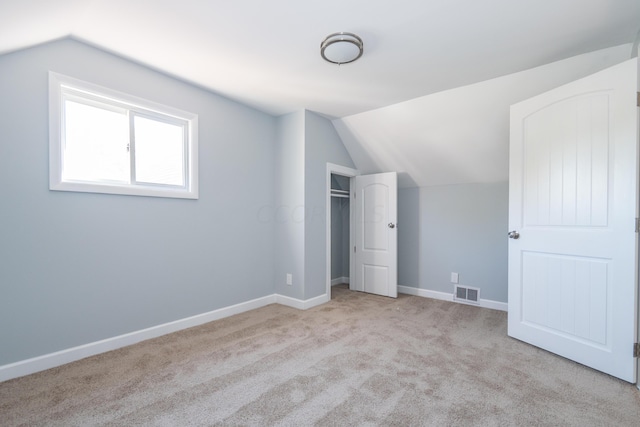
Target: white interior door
point(573, 201)
point(376, 237)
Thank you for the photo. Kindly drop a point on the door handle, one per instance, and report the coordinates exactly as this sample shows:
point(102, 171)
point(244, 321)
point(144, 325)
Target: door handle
point(514, 235)
point(391, 225)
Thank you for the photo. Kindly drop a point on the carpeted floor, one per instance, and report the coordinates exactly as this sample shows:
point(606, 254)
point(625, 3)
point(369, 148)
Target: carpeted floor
point(358, 360)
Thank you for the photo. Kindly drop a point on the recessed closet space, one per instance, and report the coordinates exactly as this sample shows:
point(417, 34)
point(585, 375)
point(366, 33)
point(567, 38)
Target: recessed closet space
point(340, 232)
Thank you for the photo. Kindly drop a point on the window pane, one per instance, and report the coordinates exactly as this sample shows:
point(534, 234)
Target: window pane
point(95, 144)
point(159, 152)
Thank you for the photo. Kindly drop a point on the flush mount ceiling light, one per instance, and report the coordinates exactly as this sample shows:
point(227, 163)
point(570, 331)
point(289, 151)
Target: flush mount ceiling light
point(341, 48)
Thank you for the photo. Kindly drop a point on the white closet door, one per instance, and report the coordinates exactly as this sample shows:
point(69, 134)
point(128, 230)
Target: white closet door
point(376, 248)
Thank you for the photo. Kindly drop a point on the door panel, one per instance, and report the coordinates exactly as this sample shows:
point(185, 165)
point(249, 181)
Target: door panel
point(567, 295)
point(567, 168)
point(376, 233)
point(376, 279)
point(376, 268)
point(573, 200)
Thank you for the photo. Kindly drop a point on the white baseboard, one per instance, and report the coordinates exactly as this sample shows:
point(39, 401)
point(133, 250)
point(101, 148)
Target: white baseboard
point(51, 360)
point(425, 293)
point(339, 281)
point(302, 304)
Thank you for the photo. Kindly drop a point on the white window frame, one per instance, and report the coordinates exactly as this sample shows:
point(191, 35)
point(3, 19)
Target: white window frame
point(61, 86)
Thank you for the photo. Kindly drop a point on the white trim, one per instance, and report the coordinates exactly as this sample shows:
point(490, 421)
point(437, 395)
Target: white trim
point(339, 281)
point(302, 304)
point(51, 360)
point(344, 171)
point(426, 293)
point(62, 357)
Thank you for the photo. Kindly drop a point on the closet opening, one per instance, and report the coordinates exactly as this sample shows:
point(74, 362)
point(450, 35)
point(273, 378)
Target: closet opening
point(340, 259)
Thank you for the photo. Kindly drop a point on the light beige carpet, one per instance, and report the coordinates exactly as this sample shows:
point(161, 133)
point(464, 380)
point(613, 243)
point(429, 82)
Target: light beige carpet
point(358, 360)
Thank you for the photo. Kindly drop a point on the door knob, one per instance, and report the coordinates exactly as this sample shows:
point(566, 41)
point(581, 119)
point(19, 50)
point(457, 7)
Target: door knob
point(514, 234)
point(392, 225)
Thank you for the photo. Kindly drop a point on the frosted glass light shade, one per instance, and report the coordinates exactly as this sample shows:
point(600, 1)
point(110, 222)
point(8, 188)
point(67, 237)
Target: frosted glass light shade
point(341, 48)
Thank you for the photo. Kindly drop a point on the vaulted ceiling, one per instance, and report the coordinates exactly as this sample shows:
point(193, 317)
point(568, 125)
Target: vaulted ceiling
point(266, 53)
point(460, 135)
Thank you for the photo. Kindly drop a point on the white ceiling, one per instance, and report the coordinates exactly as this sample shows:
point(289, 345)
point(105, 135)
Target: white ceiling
point(429, 98)
point(461, 135)
point(266, 53)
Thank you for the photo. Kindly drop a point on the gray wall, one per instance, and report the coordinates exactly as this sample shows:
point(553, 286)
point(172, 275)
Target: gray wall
point(454, 228)
point(346, 243)
point(336, 238)
point(322, 146)
point(306, 142)
point(80, 267)
point(339, 237)
point(409, 236)
point(288, 211)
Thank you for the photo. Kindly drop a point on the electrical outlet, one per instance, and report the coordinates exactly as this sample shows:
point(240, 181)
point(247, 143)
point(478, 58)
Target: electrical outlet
point(454, 277)
point(289, 279)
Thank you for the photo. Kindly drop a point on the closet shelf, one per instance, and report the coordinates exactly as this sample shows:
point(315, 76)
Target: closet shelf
point(339, 193)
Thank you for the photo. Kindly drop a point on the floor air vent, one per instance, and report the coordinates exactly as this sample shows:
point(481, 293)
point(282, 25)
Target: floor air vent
point(466, 294)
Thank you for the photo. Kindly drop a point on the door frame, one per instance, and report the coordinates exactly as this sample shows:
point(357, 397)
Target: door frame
point(635, 53)
point(351, 174)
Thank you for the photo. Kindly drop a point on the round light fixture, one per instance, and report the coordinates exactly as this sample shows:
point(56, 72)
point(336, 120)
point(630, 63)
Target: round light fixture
point(341, 48)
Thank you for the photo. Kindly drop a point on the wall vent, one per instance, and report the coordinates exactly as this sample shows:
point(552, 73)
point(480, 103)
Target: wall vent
point(466, 294)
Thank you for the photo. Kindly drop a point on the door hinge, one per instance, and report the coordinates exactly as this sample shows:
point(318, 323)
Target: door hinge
point(638, 103)
point(636, 350)
point(354, 249)
point(637, 225)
